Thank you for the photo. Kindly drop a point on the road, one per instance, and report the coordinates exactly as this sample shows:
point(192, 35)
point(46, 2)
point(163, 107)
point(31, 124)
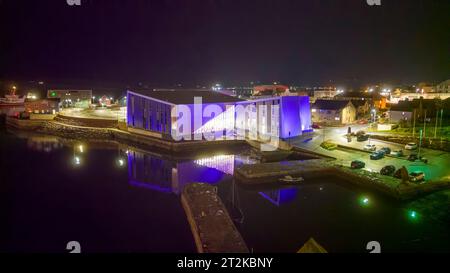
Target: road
point(437, 168)
point(94, 114)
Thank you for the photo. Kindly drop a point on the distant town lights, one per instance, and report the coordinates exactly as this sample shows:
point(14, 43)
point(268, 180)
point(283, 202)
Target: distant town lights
point(217, 87)
point(120, 162)
point(77, 160)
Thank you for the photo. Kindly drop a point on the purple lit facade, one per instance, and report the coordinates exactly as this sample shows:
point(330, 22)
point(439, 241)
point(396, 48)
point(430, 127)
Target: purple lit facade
point(279, 197)
point(151, 116)
point(155, 173)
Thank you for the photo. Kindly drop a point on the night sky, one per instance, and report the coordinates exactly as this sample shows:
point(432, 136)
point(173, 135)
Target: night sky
point(233, 42)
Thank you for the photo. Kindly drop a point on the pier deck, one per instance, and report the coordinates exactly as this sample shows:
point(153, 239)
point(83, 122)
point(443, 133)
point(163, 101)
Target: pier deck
point(211, 225)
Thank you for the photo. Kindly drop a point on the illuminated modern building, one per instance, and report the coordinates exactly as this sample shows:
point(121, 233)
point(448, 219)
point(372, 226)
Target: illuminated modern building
point(149, 113)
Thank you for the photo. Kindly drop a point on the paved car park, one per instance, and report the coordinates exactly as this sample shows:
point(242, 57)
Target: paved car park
point(437, 168)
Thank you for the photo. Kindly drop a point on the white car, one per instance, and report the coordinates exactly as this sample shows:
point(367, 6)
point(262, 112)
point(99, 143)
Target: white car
point(370, 147)
point(411, 146)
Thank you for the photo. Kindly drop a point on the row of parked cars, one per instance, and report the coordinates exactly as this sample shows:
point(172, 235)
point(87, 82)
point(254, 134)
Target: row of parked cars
point(381, 152)
point(390, 170)
point(398, 153)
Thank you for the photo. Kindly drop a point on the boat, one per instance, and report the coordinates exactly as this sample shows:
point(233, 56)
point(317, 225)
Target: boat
point(290, 179)
point(12, 100)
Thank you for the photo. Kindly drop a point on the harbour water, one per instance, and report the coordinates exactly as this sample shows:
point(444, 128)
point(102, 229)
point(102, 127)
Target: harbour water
point(114, 198)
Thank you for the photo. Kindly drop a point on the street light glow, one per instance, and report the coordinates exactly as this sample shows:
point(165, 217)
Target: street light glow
point(77, 160)
point(364, 201)
point(413, 215)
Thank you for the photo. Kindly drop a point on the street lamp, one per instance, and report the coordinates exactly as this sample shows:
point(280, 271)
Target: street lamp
point(420, 142)
point(374, 112)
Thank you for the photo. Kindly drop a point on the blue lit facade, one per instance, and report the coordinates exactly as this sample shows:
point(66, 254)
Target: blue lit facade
point(150, 116)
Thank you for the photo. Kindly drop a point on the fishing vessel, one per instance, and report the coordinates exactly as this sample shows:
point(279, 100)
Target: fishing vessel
point(12, 100)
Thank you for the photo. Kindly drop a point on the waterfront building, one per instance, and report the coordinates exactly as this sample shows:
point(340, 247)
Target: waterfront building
point(149, 113)
point(43, 106)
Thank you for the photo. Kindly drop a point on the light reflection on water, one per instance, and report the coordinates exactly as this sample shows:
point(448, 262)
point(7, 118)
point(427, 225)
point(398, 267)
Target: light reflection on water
point(270, 220)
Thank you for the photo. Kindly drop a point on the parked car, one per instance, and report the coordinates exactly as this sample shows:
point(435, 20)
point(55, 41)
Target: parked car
point(416, 176)
point(370, 147)
point(328, 145)
point(388, 170)
point(362, 138)
point(316, 126)
point(363, 121)
point(357, 164)
point(411, 146)
point(413, 157)
point(377, 155)
point(398, 153)
point(386, 150)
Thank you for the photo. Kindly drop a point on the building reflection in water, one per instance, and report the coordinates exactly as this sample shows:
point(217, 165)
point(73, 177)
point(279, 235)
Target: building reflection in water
point(43, 143)
point(280, 196)
point(153, 172)
point(12, 111)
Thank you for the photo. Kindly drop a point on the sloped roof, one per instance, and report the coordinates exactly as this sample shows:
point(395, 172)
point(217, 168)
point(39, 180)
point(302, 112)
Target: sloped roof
point(358, 103)
point(186, 96)
point(331, 104)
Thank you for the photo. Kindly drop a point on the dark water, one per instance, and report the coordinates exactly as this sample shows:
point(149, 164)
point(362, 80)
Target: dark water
point(120, 199)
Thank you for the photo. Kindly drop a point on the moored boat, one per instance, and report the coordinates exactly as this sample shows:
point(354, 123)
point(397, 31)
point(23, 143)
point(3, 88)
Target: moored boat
point(12, 100)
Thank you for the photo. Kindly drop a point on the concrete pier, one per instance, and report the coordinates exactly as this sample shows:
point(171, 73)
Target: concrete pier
point(266, 174)
point(211, 225)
